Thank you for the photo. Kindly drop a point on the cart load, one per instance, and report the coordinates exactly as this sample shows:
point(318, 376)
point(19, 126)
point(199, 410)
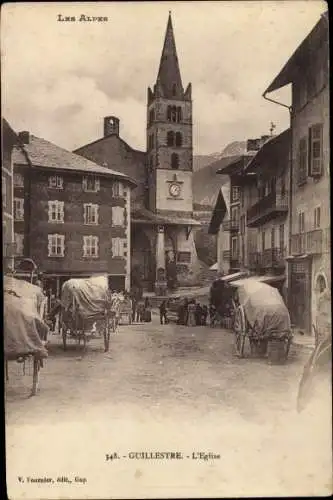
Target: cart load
point(86, 295)
point(23, 330)
point(262, 317)
point(27, 291)
point(87, 306)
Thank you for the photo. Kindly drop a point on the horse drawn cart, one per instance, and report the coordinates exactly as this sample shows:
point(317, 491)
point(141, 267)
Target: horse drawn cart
point(262, 318)
point(25, 331)
point(87, 308)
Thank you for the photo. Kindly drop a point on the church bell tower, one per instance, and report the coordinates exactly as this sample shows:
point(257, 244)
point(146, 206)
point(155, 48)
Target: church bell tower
point(169, 136)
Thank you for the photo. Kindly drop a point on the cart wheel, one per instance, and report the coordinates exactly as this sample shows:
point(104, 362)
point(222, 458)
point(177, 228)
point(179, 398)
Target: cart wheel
point(240, 331)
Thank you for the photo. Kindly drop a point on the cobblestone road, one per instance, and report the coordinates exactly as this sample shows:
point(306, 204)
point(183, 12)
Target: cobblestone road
point(166, 388)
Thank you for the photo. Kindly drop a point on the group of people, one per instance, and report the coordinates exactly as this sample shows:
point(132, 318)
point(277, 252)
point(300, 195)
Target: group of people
point(141, 310)
point(189, 313)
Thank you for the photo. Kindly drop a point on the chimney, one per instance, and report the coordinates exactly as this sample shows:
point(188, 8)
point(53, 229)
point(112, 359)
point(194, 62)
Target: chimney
point(24, 137)
point(111, 125)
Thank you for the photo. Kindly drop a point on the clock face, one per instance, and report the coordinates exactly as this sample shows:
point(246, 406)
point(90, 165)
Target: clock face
point(174, 190)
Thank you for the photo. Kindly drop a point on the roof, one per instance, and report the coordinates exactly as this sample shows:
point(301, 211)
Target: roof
point(45, 154)
point(168, 78)
point(236, 163)
point(267, 279)
point(277, 145)
point(299, 58)
point(220, 209)
point(106, 137)
point(140, 215)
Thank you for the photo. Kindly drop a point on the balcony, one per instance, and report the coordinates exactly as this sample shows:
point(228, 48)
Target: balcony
point(310, 242)
point(271, 258)
point(230, 225)
point(269, 207)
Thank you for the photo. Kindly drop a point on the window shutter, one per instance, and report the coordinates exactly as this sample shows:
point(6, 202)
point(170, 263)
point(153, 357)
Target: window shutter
point(62, 245)
point(84, 183)
point(96, 213)
point(97, 185)
point(315, 150)
point(49, 246)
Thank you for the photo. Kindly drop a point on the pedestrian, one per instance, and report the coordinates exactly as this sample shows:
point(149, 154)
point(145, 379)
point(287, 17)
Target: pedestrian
point(198, 314)
point(212, 315)
point(163, 312)
point(140, 309)
point(134, 306)
point(147, 311)
point(191, 313)
point(185, 311)
point(204, 315)
point(181, 314)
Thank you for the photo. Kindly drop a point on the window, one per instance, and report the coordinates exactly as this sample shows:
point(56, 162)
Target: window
point(90, 213)
point(118, 216)
point(281, 237)
point(184, 257)
point(301, 222)
point(117, 189)
point(56, 211)
point(170, 138)
point(263, 242)
point(273, 237)
point(56, 181)
point(179, 115)
point(242, 224)
point(4, 191)
point(234, 247)
point(174, 161)
point(315, 150)
point(174, 114)
point(19, 243)
point(316, 218)
point(117, 247)
point(235, 193)
point(151, 116)
point(91, 184)
point(302, 162)
point(90, 246)
point(56, 245)
point(282, 187)
point(235, 214)
point(18, 180)
point(179, 139)
point(18, 208)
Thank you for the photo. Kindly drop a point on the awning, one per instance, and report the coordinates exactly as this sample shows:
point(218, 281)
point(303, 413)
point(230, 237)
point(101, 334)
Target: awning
point(141, 215)
point(234, 276)
point(269, 279)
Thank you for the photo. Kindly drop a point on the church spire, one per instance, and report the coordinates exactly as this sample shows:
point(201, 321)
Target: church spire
point(169, 77)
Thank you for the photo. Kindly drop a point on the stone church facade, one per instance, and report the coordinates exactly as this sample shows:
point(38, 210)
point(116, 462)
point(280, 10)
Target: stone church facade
point(163, 251)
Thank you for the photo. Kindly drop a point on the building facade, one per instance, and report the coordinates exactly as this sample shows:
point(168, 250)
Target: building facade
point(71, 216)
point(163, 248)
point(9, 139)
point(309, 265)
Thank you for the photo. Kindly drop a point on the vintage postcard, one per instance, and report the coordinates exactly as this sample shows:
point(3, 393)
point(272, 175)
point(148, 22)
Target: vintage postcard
point(166, 249)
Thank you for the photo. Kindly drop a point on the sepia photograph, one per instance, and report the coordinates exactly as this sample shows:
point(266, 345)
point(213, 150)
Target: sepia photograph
point(166, 249)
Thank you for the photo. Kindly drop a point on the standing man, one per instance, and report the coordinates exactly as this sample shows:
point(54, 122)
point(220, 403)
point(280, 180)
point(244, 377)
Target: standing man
point(163, 313)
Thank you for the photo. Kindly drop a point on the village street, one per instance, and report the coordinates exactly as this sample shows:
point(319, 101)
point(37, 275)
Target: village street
point(164, 388)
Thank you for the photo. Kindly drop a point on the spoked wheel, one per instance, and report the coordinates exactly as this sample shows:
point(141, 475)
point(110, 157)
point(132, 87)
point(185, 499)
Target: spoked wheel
point(240, 331)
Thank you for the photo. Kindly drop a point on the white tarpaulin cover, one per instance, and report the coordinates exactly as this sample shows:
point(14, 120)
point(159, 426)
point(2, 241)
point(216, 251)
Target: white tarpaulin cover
point(87, 295)
point(264, 308)
point(27, 291)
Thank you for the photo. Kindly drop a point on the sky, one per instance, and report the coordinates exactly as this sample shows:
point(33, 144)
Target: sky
point(59, 79)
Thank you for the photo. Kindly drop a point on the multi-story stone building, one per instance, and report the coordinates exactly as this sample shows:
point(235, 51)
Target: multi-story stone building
point(268, 215)
point(9, 139)
point(162, 211)
point(309, 246)
point(71, 216)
